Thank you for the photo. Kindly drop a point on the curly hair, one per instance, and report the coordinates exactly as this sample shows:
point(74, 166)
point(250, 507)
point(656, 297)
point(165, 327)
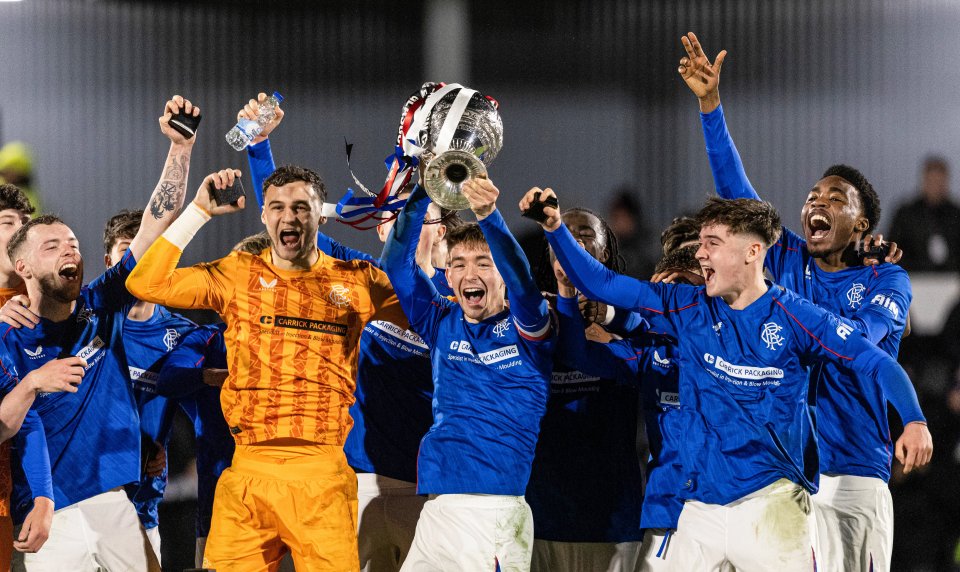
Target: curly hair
point(543, 268)
point(11, 197)
point(869, 200)
point(682, 229)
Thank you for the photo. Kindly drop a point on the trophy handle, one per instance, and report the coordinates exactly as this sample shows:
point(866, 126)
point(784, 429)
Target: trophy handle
point(445, 175)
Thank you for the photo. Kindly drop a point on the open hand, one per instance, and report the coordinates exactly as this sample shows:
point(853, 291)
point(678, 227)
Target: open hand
point(702, 77)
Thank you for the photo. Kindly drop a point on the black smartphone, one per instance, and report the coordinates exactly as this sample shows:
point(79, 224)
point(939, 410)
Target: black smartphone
point(535, 212)
point(230, 195)
point(185, 124)
point(870, 251)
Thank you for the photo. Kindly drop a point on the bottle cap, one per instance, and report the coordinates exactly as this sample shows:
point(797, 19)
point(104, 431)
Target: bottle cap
point(277, 95)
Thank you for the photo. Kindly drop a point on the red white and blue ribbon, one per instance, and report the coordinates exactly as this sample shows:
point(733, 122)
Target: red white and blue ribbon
point(371, 210)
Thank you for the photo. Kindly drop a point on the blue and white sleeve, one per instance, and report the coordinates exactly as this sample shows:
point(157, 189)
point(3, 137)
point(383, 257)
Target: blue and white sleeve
point(419, 299)
point(728, 175)
point(832, 339)
point(658, 302)
point(885, 312)
point(527, 305)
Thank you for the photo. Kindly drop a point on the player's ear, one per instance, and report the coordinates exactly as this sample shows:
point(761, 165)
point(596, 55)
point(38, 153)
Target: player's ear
point(862, 224)
point(263, 215)
point(22, 269)
point(106, 260)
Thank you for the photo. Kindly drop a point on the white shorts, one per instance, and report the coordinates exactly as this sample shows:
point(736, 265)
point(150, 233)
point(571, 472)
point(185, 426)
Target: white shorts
point(472, 532)
point(854, 518)
point(153, 535)
point(388, 510)
point(553, 556)
point(765, 530)
point(99, 533)
point(654, 550)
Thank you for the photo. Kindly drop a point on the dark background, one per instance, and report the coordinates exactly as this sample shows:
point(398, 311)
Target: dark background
point(590, 100)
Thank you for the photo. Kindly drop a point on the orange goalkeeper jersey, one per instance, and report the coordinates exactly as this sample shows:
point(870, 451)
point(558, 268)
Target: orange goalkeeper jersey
point(292, 336)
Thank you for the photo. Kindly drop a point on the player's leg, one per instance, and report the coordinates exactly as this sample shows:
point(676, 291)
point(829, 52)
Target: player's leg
point(855, 522)
point(6, 522)
point(700, 540)
point(244, 533)
point(67, 548)
point(401, 507)
point(316, 503)
point(770, 529)
point(118, 538)
point(655, 550)
point(472, 532)
point(572, 556)
point(372, 543)
point(153, 535)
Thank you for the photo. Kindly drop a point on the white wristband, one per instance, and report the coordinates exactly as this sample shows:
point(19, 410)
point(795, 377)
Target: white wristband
point(182, 230)
point(608, 317)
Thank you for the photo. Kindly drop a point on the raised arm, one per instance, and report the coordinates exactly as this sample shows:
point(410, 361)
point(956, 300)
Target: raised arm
point(527, 304)
point(703, 79)
point(262, 165)
point(167, 197)
point(418, 298)
point(591, 277)
point(156, 277)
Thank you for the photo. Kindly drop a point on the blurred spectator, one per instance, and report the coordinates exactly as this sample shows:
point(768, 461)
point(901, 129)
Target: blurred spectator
point(640, 247)
point(928, 227)
point(16, 168)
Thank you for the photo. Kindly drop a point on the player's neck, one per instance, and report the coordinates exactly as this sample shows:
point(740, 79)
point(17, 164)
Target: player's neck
point(298, 264)
point(841, 259)
point(49, 307)
point(748, 293)
point(142, 311)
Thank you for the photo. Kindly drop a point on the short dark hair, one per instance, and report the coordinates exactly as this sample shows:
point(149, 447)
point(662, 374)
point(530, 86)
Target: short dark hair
point(123, 225)
point(468, 234)
point(869, 199)
point(682, 229)
point(291, 173)
point(20, 237)
point(743, 216)
point(936, 163)
point(253, 244)
point(543, 271)
point(11, 197)
point(679, 259)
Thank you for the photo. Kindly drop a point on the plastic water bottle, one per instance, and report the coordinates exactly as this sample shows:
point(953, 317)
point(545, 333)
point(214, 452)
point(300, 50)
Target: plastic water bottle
point(245, 131)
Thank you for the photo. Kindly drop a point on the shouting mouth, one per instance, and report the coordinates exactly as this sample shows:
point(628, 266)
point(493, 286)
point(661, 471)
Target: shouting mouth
point(818, 227)
point(474, 297)
point(70, 272)
point(289, 238)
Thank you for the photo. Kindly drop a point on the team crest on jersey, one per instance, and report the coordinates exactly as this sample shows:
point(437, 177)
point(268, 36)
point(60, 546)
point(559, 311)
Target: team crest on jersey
point(85, 315)
point(339, 295)
point(35, 354)
point(770, 335)
point(171, 338)
point(502, 327)
point(264, 285)
point(855, 294)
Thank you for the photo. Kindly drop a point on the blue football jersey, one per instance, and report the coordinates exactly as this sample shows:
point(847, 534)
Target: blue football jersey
point(743, 381)
point(845, 400)
point(876, 299)
point(147, 343)
point(181, 378)
point(393, 375)
point(92, 436)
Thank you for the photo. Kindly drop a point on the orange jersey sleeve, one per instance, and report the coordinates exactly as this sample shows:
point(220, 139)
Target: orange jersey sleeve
point(386, 304)
point(156, 278)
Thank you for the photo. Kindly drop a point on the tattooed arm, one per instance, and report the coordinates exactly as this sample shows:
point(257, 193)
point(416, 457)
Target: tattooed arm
point(167, 197)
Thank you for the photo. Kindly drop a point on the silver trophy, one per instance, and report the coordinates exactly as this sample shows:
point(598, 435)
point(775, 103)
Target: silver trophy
point(463, 134)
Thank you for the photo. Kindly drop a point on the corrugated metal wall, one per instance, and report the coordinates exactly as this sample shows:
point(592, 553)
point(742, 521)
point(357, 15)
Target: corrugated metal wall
point(589, 93)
